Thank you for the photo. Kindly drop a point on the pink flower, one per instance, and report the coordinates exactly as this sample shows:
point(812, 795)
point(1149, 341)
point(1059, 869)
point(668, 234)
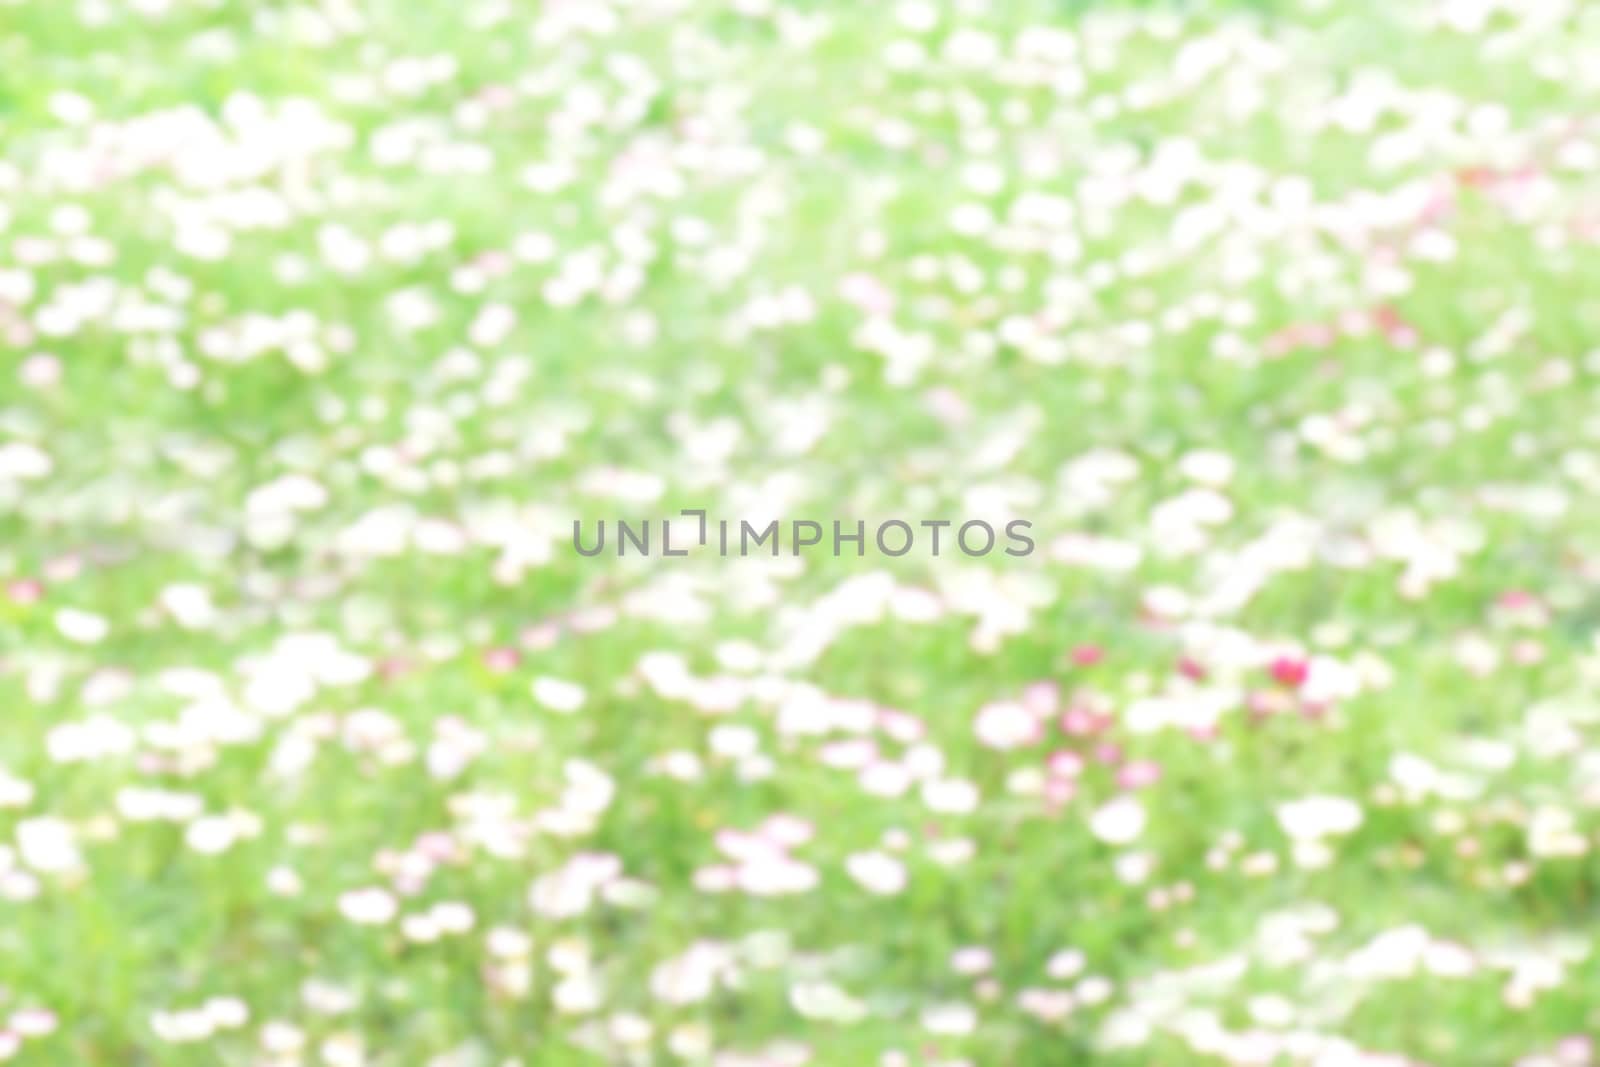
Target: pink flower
point(540, 636)
point(1394, 327)
point(437, 846)
point(1266, 702)
point(1139, 774)
point(786, 831)
point(1041, 698)
point(1081, 722)
point(393, 667)
point(902, 726)
point(1087, 655)
point(25, 591)
point(1059, 792)
point(1065, 763)
point(1290, 670)
point(497, 96)
point(1575, 1050)
point(501, 660)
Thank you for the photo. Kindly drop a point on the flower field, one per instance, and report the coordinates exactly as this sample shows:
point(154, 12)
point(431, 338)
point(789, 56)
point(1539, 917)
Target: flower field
point(323, 321)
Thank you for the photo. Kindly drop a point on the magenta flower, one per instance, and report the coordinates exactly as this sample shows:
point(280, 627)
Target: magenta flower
point(1290, 671)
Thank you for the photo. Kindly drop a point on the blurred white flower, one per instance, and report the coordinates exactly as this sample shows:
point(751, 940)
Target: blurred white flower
point(877, 872)
point(1119, 821)
point(48, 845)
point(372, 906)
point(1006, 725)
point(1315, 817)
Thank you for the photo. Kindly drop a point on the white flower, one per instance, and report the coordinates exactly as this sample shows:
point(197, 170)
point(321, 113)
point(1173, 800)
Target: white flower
point(283, 882)
point(1133, 868)
point(181, 1027)
point(1312, 854)
point(974, 959)
point(877, 872)
point(1207, 467)
point(1118, 822)
point(14, 792)
point(950, 1019)
point(1094, 989)
point(570, 891)
point(1393, 954)
point(823, 1000)
point(631, 1030)
point(492, 325)
point(776, 875)
point(70, 107)
point(21, 461)
point(420, 929)
point(952, 851)
point(1553, 833)
point(1315, 817)
point(282, 1039)
point(343, 1050)
point(189, 605)
point(384, 531)
point(1006, 725)
point(689, 978)
point(558, 695)
point(210, 834)
point(1328, 681)
point(82, 627)
point(917, 15)
point(290, 493)
point(589, 789)
point(734, 741)
point(506, 943)
point(47, 845)
point(1449, 960)
point(885, 779)
point(690, 1041)
point(227, 1013)
point(1067, 963)
point(453, 917)
point(786, 831)
point(951, 796)
point(374, 906)
point(33, 1022)
point(1047, 1005)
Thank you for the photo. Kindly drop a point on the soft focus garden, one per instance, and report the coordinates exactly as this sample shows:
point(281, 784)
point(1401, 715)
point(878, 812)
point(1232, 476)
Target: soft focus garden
point(323, 321)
